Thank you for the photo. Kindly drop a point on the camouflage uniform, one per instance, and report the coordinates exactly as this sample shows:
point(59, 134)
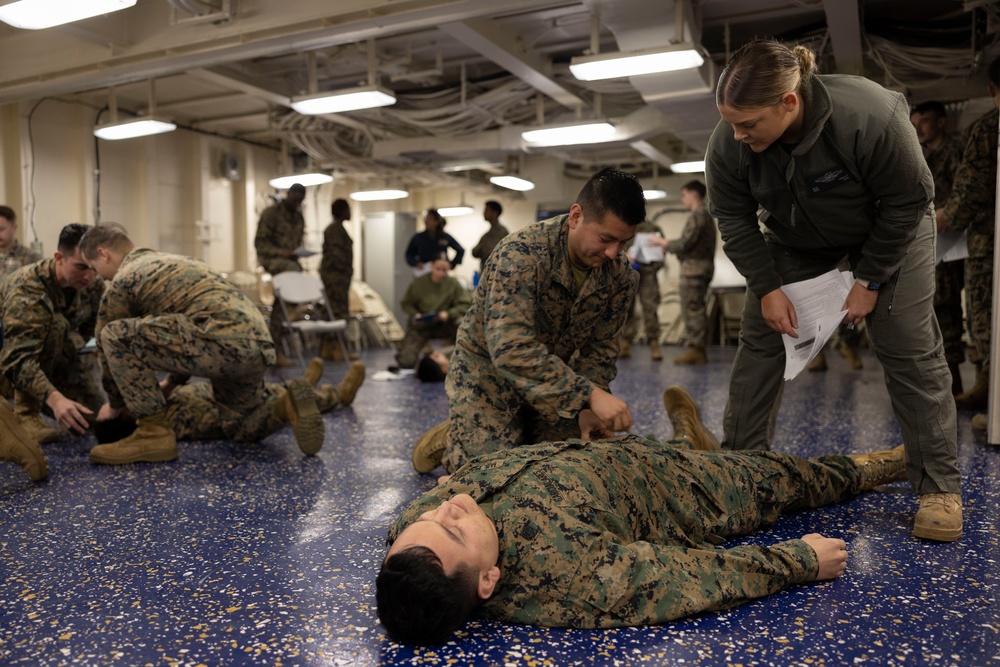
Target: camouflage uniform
point(972, 206)
point(626, 531)
point(489, 242)
point(422, 297)
point(16, 257)
point(696, 251)
point(948, 276)
point(45, 326)
point(193, 412)
point(279, 229)
point(171, 313)
point(337, 268)
point(649, 293)
point(531, 349)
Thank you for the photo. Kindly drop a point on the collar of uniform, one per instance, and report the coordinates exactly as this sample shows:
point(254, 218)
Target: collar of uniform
point(818, 107)
point(562, 268)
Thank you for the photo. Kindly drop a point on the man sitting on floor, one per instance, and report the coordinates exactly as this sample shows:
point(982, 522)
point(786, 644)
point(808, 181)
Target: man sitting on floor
point(617, 532)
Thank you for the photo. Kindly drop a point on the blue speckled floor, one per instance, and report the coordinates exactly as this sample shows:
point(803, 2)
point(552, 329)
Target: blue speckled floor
point(255, 555)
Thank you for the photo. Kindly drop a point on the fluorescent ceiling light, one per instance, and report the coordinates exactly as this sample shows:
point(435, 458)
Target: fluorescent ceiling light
point(467, 165)
point(512, 183)
point(654, 194)
point(455, 210)
point(39, 14)
point(696, 167)
point(365, 97)
point(305, 180)
point(134, 127)
point(379, 195)
point(570, 135)
point(635, 63)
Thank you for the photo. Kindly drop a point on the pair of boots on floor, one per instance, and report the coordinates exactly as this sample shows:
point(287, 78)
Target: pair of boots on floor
point(153, 440)
point(939, 517)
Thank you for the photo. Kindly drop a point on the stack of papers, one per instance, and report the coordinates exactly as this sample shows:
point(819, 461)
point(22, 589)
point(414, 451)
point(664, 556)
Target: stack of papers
point(819, 308)
point(643, 249)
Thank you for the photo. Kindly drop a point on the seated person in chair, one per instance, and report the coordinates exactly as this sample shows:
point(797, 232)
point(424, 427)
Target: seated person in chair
point(436, 304)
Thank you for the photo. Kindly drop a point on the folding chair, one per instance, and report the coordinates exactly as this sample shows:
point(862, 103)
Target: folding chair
point(293, 288)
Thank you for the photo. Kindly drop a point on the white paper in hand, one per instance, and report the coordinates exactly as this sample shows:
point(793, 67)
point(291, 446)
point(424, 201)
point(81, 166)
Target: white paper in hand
point(819, 304)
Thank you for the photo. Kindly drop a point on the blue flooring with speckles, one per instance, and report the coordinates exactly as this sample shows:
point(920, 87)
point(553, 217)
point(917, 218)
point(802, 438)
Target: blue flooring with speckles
point(255, 555)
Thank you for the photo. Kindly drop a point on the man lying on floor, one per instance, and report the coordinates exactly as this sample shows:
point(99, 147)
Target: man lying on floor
point(617, 532)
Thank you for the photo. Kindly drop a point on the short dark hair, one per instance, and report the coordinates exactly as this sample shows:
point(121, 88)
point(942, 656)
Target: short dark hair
point(433, 212)
point(69, 237)
point(931, 106)
point(695, 186)
point(340, 208)
point(8, 212)
point(297, 187)
point(429, 370)
point(495, 206)
point(418, 603)
point(615, 191)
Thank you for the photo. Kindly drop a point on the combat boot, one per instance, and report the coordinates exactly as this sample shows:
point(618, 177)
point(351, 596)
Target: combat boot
point(152, 441)
point(818, 363)
point(281, 361)
point(429, 451)
point(879, 468)
point(695, 356)
point(686, 418)
point(298, 407)
point(348, 387)
point(314, 371)
point(979, 422)
point(18, 447)
point(654, 350)
point(624, 349)
point(28, 412)
point(975, 398)
point(956, 378)
point(939, 517)
point(850, 353)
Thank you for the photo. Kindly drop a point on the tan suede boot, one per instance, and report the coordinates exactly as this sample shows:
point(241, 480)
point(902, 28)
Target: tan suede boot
point(850, 353)
point(654, 350)
point(298, 407)
point(152, 441)
point(695, 356)
point(879, 468)
point(314, 371)
point(18, 447)
point(348, 387)
point(624, 349)
point(281, 361)
point(818, 363)
point(939, 517)
point(975, 398)
point(979, 422)
point(686, 418)
point(429, 451)
point(28, 412)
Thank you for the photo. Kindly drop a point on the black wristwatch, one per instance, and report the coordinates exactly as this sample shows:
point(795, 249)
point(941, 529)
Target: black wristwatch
point(868, 284)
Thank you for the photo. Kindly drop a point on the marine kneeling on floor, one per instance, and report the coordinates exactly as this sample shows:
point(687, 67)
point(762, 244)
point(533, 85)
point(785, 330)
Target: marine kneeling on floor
point(617, 532)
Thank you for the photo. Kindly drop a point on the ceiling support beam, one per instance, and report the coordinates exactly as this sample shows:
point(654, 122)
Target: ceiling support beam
point(484, 36)
point(843, 19)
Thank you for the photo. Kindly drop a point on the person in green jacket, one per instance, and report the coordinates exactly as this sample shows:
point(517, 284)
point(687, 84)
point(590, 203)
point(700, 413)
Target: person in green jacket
point(436, 304)
point(619, 532)
point(834, 164)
